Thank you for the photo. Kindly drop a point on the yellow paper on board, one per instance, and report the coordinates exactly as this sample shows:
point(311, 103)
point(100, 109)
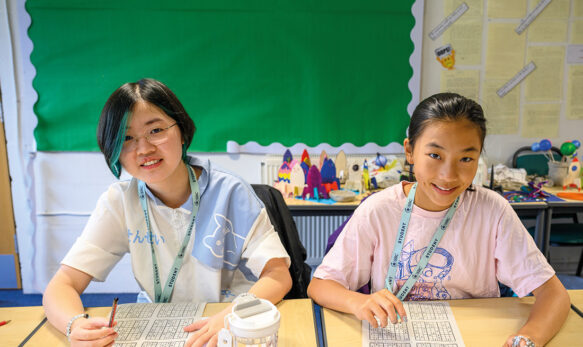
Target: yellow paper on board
point(505, 51)
point(578, 8)
point(474, 7)
point(465, 37)
point(575, 92)
point(541, 120)
point(545, 83)
point(502, 113)
point(577, 31)
point(463, 82)
point(555, 9)
point(506, 9)
point(548, 30)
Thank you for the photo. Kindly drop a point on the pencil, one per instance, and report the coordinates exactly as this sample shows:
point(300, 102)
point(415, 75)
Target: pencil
point(113, 309)
point(577, 310)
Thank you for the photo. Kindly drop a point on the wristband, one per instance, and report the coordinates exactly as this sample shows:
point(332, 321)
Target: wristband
point(518, 338)
point(68, 331)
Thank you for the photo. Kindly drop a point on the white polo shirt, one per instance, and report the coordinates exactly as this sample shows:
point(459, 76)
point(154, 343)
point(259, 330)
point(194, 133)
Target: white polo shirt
point(232, 240)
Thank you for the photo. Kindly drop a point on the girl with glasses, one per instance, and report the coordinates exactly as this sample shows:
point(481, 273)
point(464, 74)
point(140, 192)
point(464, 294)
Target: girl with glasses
point(194, 232)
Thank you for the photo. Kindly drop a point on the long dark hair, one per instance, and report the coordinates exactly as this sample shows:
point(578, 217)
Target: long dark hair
point(115, 114)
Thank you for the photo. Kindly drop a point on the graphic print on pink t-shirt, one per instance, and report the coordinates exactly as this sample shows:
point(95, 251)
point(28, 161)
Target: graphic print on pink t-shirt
point(429, 285)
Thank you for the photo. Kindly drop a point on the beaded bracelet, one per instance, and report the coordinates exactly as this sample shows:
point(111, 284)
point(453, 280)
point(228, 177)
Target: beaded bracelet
point(68, 331)
point(518, 338)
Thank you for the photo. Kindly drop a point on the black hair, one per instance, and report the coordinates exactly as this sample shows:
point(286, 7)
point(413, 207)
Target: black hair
point(446, 107)
point(114, 117)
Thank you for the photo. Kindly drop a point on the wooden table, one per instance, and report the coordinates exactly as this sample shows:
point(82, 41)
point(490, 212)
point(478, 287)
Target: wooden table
point(297, 327)
point(577, 299)
point(567, 206)
point(482, 322)
point(23, 320)
point(299, 207)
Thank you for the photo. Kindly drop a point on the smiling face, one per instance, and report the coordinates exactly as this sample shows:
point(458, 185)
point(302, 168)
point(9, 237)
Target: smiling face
point(161, 165)
point(445, 159)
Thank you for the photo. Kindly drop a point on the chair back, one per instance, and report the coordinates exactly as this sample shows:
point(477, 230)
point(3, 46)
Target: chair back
point(285, 227)
point(535, 163)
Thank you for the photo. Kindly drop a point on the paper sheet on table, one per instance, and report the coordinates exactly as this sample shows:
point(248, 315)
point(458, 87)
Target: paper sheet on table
point(546, 82)
point(155, 325)
point(429, 324)
point(541, 120)
point(574, 92)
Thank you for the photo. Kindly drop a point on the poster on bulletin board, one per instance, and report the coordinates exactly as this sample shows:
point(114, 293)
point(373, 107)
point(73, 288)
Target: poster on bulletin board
point(288, 72)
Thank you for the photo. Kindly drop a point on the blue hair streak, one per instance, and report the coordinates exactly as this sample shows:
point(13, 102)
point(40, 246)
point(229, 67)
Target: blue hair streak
point(114, 164)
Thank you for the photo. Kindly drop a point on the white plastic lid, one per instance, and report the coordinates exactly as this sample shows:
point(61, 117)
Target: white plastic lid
point(253, 318)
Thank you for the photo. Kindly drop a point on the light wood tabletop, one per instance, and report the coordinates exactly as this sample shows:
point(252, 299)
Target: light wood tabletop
point(577, 298)
point(296, 328)
point(23, 320)
point(482, 322)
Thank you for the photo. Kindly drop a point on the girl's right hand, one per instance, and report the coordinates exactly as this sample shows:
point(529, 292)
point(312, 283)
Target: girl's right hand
point(381, 304)
point(92, 332)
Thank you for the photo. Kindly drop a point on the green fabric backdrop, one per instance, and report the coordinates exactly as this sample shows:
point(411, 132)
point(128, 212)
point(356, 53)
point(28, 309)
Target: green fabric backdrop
point(330, 71)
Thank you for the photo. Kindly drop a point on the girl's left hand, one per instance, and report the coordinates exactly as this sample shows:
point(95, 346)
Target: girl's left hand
point(207, 330)
point(509, 342)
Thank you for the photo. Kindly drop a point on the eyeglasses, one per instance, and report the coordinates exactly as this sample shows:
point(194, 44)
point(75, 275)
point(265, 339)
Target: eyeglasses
point(155, 136)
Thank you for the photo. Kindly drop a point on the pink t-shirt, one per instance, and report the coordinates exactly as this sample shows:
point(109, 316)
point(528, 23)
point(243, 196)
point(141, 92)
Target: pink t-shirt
point(484, 243)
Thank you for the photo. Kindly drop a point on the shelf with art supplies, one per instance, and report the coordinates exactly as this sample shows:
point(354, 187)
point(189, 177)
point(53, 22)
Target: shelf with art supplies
point(563, 177)
point(338, 180)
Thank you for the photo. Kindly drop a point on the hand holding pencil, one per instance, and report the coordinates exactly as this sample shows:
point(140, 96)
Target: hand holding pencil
point(97, 330)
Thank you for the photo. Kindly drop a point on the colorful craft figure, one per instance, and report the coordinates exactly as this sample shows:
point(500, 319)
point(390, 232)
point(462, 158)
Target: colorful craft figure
point(287, 157)
point(380, 161)
point(341, 168)
point(365, 175)
point(532, 192)
point(306, 158)
point(354, 181)
point(323, 156)
point(569, 148)
point(297, 179)
point(314, 186)
point(329, 179)
point(573, 178)
point(446, 56)
point(305, 168)
point(283, 173)
point(544, 146)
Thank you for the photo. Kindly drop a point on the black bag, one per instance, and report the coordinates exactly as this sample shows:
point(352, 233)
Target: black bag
point(285, 227)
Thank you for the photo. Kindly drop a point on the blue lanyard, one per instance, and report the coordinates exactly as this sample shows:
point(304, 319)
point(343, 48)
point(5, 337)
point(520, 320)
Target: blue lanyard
point(404, 224)
point(164, 296)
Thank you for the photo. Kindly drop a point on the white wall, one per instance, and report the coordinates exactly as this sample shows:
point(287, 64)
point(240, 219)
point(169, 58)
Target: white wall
point(55, 192)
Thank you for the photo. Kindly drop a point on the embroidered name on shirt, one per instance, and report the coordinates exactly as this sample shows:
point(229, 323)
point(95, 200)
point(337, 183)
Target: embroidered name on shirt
point(137, 238)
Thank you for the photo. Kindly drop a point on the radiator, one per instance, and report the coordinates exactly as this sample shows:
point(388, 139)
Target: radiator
point(314, 232)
